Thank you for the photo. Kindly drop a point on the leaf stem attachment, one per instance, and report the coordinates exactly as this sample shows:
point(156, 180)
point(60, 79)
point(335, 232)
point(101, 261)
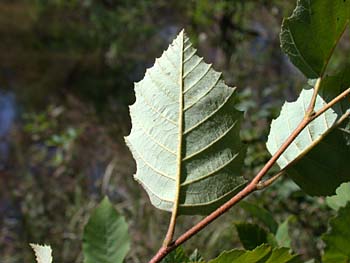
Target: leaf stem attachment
point(256, 183)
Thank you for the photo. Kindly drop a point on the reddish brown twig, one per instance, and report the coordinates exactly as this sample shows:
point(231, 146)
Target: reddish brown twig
point(254, 184)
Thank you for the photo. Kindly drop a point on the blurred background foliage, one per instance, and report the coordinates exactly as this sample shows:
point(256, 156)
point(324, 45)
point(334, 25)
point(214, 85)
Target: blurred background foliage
point(67, 69)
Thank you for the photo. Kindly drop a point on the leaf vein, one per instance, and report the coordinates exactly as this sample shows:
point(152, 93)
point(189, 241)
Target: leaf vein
point(203, 95)
point(276, 143)
point(151, 166)
point(194, 67)
point(215, 200)
point(212, 172)
point(158, 85)
point(155, 194)
point(211, 143)
point(297, 50)
point(209, 116)
point(162, 70)
point(186, 48)
point(190, 55)
point(170, 61)
point(199, 79)
point(155, 110)
point(154, 139)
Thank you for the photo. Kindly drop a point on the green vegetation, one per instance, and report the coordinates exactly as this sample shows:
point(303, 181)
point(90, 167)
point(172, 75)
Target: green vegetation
point(106, 237)
point(70, 65)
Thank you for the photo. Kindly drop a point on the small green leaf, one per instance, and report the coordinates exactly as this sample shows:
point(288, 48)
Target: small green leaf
point(238, 256)
point(179, 256)
point(176, 256)
point(43, 253)
point(341, 198)
point(310, 35)
point(262, 254)
point(271, 240)
point(320, 154)
point(260, 213)
point(196, 257)
point(282, 255)
point(251, 235)
point(105, 238)
point(185, 133)
point(337, 239)
point(282, 235)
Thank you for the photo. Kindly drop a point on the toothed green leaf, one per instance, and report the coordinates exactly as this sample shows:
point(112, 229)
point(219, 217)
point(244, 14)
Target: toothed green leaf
point(337, 239)
point(311, 33)
point(105, 238)
point(185, 133)
point(261, 254)
point(341, 198)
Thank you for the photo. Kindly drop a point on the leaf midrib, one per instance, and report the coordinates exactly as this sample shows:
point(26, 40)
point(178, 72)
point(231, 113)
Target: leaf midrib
point(180, 128)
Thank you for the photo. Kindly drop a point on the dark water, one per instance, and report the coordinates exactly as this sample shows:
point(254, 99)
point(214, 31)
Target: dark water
point(7, 118)
point(9, 211)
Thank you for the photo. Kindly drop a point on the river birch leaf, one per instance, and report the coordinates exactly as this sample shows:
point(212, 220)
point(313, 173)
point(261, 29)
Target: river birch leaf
point(261, 254)
point(337, 239)
point(311, 33)
point(43, 253)
point(282, 235)
point(341, 197)
point(105, 238)
point(185, 133)
point(320, 154)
